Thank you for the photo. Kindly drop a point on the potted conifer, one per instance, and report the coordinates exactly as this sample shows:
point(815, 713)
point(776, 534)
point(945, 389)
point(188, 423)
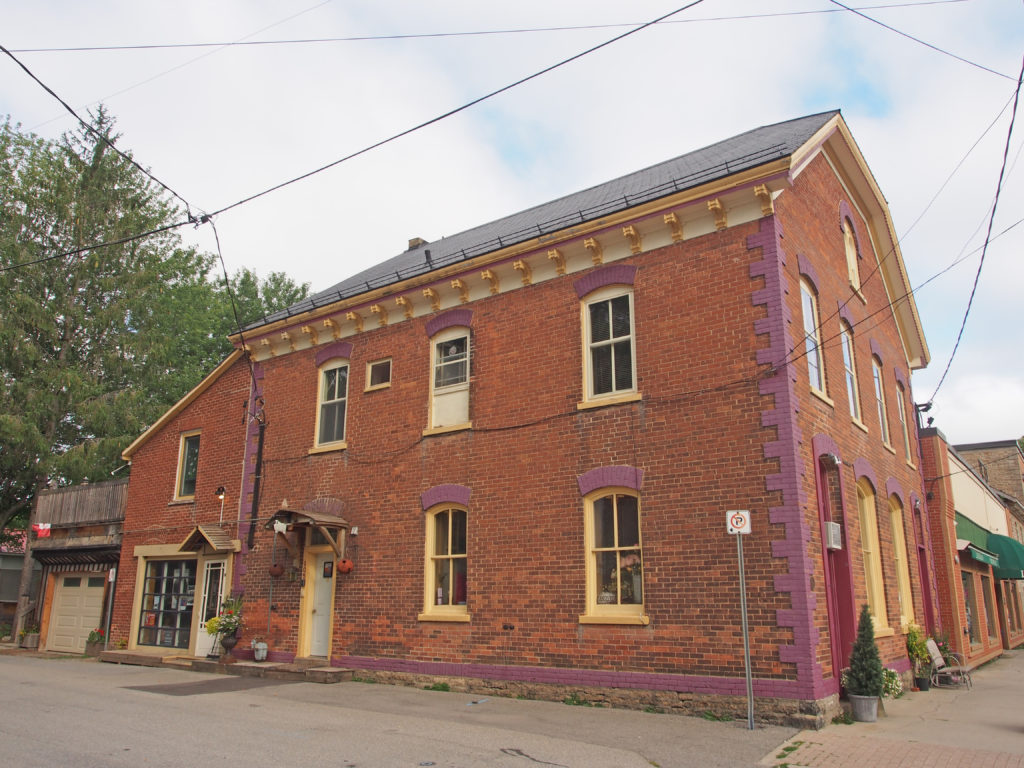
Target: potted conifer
point(864, 678)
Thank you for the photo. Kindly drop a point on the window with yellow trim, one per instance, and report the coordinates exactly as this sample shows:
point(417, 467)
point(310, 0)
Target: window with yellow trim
point(449, 380)
point(333, 401)
point(901, 406)
point(850, 365)
point(812, 337)
point(883, 414)
point(446, 562)
point(188, 466)
point(899, 547)
point(850, 244)
point(615, 573)
point(609, 366)
point(871, 554)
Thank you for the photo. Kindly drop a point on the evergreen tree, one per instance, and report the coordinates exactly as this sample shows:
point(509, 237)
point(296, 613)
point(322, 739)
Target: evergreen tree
point(865, 677)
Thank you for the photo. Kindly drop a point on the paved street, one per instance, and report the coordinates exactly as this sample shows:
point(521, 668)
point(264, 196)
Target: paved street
point(68, 711)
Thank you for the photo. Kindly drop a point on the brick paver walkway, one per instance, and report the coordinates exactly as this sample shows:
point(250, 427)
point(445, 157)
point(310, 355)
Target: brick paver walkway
point(835, 749)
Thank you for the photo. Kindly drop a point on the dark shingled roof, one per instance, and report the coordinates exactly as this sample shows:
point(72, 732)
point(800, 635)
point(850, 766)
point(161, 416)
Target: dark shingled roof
point(748, 150)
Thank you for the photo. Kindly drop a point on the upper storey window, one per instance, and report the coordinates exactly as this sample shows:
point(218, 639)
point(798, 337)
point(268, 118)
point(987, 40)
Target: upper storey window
point(812, 337)
point(333, 401)
point(850, 244)
point(608, 318)
point(188, 466)
point(850, 365)
point(883, 416)
point(449, 382)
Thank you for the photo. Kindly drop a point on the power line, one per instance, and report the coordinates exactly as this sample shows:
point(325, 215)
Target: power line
point(920, 41)
point(473, 33)
point(94, 132)
point(457, 110)
point(988, 234)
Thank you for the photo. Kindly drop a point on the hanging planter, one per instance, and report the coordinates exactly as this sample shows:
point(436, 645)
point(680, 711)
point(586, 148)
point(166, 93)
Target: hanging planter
point(276, 570)
point(345, 566)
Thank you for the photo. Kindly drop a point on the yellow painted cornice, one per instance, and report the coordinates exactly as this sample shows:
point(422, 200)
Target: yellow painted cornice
point(179, 406)
point(546, 242)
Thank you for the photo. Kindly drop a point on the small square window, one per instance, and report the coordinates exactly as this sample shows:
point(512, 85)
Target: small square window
point(378, 374)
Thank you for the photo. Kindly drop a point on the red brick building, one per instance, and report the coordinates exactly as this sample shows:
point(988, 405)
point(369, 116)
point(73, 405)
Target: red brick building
point(523, 440)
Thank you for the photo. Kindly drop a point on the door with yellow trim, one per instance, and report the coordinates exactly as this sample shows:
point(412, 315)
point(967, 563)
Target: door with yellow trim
point(321, 604)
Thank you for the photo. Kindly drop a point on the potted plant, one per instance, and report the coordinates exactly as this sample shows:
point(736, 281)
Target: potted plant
point(226, 624)
point(259, 648)
point(865, 678)
point(94, 642)
point(29, 636)
point(917, 650)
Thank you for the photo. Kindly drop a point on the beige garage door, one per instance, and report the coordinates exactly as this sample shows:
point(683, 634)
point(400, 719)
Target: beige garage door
point(77, 606)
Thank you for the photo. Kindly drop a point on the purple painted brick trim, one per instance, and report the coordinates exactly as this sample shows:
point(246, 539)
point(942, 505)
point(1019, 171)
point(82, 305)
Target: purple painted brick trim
point(252, 434)
point(844, 313)
point(445, 494)
point(450, 319)
point(810, 682)
point(651, 681)
point(876, 349)
point(606, 477)
point(807, 270)
point(893, 488)
point(335, 349)
point(616, 274)
point(902, 380)
point(822, 444)
point(845, 212)
point(862, 468)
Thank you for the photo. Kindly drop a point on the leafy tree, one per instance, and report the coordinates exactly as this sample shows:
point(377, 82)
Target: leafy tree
point(866, 676)
point(96, 346)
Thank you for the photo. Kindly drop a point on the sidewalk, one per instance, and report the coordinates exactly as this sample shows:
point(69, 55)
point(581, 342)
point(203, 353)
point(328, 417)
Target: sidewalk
point(949, 727)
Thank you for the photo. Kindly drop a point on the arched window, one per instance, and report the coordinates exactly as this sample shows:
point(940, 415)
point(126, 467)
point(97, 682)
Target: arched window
point(446, 564)
point(850, 244)
point(609, 367)
point(850, 365)
point(332, 401)
point(899, 552)
point(901, 406)
point(812, 336)
point(871, 554)
point(614, 550)
point(883, 414)
point(449, 380)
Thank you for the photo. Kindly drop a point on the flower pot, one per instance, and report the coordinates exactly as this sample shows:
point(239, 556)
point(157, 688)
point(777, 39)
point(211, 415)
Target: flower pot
point(276, 569)
point(93, 649)
point(924, 683)
point(30, 640)
point(865, 708)
point(259, 651)
point(228, 642)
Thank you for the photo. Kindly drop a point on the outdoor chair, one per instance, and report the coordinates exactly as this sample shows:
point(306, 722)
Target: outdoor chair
point(952, 672)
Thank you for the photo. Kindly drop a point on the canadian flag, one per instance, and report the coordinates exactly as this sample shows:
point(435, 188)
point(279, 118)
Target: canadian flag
point(42, 530)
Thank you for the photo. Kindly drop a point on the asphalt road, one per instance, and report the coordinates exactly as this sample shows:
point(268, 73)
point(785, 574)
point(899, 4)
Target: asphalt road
point(73, 712)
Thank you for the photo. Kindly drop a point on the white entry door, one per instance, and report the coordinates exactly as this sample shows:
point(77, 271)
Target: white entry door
point(213, 596)
point(323, 596)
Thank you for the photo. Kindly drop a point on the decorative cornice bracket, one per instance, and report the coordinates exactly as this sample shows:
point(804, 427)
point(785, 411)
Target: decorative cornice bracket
point(635, 238)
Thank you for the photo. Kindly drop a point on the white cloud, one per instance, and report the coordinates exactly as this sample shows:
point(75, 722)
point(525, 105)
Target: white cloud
point(239, 120)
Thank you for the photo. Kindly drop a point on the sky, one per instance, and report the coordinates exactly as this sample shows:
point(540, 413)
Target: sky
point(220, 123)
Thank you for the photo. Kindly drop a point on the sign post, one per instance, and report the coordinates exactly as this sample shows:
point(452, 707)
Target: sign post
point(738, 524)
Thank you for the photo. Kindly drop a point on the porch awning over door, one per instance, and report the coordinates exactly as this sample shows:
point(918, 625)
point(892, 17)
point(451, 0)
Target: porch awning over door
point(329, 526)
point(210, 535)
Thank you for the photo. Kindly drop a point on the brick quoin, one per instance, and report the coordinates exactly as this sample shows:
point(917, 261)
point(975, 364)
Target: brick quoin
point(725, 421)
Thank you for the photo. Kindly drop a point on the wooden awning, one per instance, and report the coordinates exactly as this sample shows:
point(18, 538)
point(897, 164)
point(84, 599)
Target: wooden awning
point(327, 524)
point(210, 535)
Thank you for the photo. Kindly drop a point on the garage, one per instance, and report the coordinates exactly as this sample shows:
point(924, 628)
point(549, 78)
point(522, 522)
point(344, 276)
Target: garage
point(77, 610)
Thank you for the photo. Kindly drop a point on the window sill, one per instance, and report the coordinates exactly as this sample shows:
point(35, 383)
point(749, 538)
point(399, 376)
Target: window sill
point(637, 619)
point(630, 397)
point(889, 448)
point(823, 397)
point(443, 430)
point(377, 387)
point(328, 448)
point(858, 294)
point(884, 632)
point(182, 501)
point(911, 464)
point(456, 617)
point(860, 425)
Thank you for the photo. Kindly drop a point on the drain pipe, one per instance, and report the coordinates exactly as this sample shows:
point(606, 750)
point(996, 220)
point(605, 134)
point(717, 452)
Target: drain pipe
point(112, 579)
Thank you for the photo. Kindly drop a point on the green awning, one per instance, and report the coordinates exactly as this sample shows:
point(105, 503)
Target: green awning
point(973, 539)
point(1011, 556)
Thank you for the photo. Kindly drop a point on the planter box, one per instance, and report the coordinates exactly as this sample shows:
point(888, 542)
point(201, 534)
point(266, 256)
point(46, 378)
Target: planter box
point(865, 708)
point(30, 640)
point(94, 649)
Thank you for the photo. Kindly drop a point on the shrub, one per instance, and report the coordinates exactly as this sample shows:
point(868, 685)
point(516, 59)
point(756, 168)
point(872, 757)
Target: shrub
point(865, 676)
